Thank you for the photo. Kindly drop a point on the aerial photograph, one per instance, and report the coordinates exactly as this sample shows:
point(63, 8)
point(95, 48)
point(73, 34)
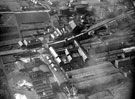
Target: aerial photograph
point(67, 49)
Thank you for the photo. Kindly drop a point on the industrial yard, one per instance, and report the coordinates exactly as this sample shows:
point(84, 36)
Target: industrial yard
point(67, 49)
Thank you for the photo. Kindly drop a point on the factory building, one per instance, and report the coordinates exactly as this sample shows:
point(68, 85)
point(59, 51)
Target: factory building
point(67, 49)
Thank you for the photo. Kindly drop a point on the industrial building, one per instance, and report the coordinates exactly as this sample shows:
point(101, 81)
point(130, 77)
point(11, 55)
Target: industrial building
point(67, 49)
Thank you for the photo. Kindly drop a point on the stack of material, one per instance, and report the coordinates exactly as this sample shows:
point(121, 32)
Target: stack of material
point(41, 85)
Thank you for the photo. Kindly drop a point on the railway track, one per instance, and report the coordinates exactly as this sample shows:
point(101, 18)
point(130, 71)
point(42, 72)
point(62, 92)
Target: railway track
point(94, 27)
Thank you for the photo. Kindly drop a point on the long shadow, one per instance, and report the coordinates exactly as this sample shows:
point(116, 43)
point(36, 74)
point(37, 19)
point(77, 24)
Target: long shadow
point(133, 78)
